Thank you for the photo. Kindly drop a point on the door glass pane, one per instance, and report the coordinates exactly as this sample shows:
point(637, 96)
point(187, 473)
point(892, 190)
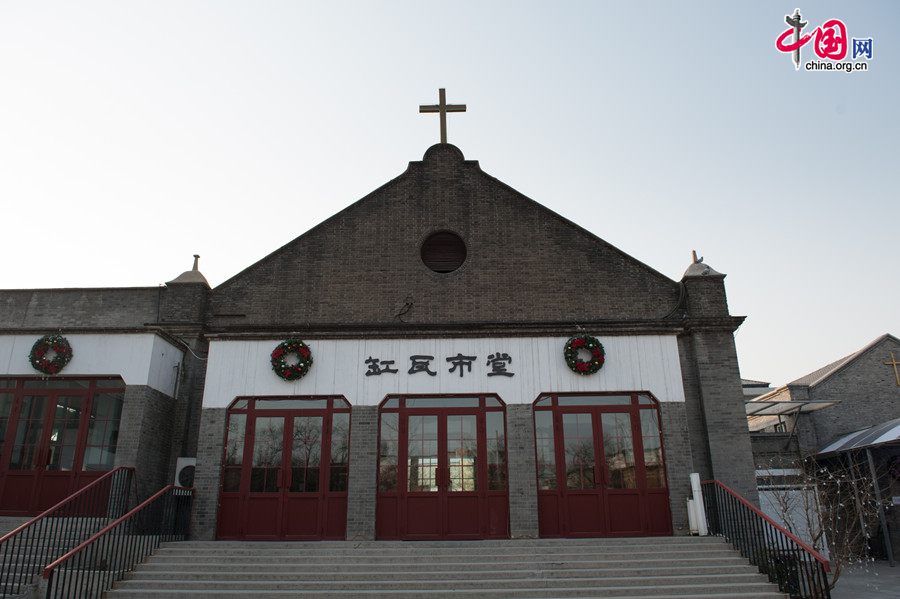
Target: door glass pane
point(619, 450)
point(422, 455)
point(656, 478)
point(462, 452)
point(306, 454)
point(578, 434)
point(28, 433)
point(388, 453)
point(267, 453)
point(546, 449)
point(64, 433)
point(103, 431)
point(6, 403)
point(234, 453)
point(496, 448)
point(340, 451)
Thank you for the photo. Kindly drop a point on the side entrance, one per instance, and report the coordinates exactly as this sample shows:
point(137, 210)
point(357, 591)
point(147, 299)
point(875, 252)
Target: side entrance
point(442, 468)
point(600, 466)
point(285, 468)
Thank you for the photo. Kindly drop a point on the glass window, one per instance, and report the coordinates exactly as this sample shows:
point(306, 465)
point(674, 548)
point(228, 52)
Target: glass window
point(6, 404)
point(111, 383)
point(388, 453)
point(492, 402)
point(495, 430)
point(28, 433)
point(268, 443)
point(645, 401)
point(57, 384)
point(546, 449)
point(291, 404)
point(10, 383)
point(653, 463)
point(578, 435)
point(544, 401)
point(234, 453)
point(441, 402)
point(306, 454)
point(422, 454)
point(240, 404)
point(392, 403)
point(341, 404)
point(340, 451)
point(619, 450)
point(594, 400)
point(103, 431)
point(64, 433)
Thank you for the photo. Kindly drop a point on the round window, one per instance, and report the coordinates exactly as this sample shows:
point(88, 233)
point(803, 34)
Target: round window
point(444, 252)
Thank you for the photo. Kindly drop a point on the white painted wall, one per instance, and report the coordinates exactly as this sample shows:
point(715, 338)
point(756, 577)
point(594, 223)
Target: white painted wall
point(140, 358)
point(633, 363)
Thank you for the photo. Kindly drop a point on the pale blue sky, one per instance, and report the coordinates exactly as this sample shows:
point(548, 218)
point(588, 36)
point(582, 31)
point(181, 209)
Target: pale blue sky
point(134, 134)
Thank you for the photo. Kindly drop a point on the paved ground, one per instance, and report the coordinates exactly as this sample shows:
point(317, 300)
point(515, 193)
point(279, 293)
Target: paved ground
point(875, 581)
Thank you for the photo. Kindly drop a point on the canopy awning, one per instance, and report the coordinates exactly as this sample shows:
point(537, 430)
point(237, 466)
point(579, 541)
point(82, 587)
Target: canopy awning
point(880, 434)
point(781, 408)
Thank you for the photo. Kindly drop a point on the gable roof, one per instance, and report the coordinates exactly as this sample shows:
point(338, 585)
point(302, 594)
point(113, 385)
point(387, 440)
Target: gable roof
point(822, 374)
point(525, 264)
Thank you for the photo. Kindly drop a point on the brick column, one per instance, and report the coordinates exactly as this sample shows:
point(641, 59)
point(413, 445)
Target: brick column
point(363, 468)
point(523, 507)
point(145, 438)
point(210, 441)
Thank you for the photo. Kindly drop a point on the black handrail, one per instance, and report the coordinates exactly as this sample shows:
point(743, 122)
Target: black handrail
point(794, 566)
point(25, 550)
point(91, 568)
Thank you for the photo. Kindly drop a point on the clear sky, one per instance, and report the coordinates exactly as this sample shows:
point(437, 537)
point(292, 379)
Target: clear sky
point(134, 134)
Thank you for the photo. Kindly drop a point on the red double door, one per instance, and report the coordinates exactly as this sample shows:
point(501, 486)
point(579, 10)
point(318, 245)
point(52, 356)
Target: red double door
point(451, 482)
point(291, 480)
point(53, 441)
point(600, 467)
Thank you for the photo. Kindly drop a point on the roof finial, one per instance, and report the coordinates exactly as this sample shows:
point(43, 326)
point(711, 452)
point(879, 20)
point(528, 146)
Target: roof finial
point(694, 259)
point(196, 262)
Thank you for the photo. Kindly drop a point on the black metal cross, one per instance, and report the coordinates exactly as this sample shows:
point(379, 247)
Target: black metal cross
point(443, 108)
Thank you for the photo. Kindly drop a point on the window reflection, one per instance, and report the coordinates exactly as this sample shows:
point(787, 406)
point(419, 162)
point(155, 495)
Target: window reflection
point(422, 456)
point(462, 452)
point(653, 463)
point(546, 449)
point(388, 452)
point(578, 435)
point(619, 450)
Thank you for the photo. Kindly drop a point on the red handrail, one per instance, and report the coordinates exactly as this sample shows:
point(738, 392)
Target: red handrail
point(815, 554)
point(71, 497)
point(50, 567)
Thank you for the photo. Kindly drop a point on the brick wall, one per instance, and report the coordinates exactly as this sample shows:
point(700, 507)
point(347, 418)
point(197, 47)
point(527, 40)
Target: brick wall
point(679, 462)
point(363, 470)
point(210, 445)
point(523, 506)
point(145, 438)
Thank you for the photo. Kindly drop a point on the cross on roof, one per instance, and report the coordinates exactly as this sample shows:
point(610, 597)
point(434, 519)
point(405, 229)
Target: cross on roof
point(443, 108)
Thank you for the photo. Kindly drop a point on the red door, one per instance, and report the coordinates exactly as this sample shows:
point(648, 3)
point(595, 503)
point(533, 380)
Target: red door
point(289, 479)
point(55, 437)
point(452, 483)
point(600, 466)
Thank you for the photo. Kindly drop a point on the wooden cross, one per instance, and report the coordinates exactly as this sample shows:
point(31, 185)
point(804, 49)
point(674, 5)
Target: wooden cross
point(894, 363)
point(443, 108)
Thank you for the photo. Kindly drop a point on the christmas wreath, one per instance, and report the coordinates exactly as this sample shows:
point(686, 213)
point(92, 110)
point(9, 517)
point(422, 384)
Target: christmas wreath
point(291, 371)
point(593, 346)
point(50, 354)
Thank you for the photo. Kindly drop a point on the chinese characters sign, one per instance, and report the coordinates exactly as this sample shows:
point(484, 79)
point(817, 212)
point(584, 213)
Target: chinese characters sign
point(497, 364)
point(829, 41)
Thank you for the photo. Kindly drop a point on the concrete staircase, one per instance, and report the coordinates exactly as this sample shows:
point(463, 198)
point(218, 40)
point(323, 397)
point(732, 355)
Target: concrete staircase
point(634, 568)
point(35, 548)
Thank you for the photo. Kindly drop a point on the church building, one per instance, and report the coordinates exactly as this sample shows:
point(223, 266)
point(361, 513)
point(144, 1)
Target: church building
point(443, 359)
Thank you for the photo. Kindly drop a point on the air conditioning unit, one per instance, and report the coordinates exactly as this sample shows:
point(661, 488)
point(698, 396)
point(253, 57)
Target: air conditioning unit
point(184, 472)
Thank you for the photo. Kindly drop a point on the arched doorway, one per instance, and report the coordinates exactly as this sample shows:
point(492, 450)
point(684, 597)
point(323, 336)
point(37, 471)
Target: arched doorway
point(442, 468)
point(285, 469)
point(600, 465)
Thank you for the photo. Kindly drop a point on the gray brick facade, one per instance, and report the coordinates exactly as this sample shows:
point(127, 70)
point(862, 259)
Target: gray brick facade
point(326, 284)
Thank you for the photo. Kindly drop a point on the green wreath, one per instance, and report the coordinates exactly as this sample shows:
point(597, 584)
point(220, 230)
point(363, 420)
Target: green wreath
point(592, 345)
point(58, 345)
point(291, 371)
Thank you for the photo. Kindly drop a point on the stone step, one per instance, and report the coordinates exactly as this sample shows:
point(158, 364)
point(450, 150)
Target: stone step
point(615, 541)
point(385, 581)
point(505, 593)
point(427, 572)
point(472, 546)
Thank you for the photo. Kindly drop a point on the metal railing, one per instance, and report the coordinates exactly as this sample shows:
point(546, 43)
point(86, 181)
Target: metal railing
point(794, 566)
point(91, 568)
point(25, 550)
